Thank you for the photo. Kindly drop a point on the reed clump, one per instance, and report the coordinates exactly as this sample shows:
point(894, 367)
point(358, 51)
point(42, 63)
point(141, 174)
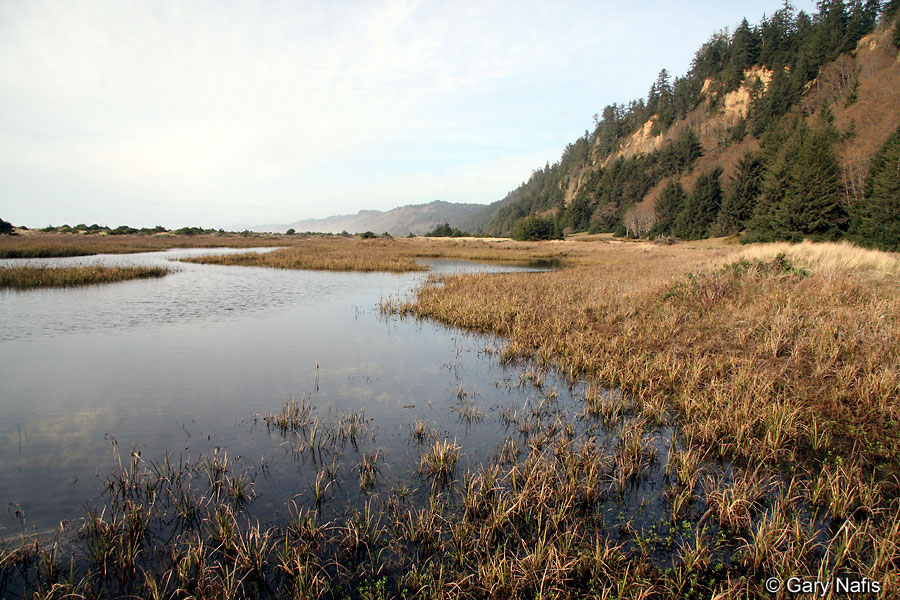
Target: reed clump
point(439, 461)
point(328, 255)
point(29, 277)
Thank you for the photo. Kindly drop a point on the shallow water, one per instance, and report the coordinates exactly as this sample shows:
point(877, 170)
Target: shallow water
point(189, 362)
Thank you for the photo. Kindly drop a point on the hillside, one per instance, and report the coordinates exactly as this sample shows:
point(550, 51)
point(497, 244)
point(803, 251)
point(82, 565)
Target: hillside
point(413, 218)
point(773, 132)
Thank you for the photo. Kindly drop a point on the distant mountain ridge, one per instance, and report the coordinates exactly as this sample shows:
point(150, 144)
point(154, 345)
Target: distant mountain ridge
point(412, 218)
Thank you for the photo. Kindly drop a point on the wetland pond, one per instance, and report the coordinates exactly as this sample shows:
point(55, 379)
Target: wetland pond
point(193, 362)
point(280, 426)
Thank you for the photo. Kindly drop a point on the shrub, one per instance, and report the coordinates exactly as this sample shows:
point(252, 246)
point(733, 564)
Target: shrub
point(536, 228)
point(444, 230)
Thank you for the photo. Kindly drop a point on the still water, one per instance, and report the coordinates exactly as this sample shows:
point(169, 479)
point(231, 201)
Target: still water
point(190, 362)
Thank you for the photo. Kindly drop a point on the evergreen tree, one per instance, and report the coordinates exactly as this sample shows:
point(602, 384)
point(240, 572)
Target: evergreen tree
point(652, 99)
point(701, 208)
point(831, 29)
point(896, 16)
point(778, 38)
point(711, 57)
point(688, 150)
point(679, 157)
point(668, 206)
point(811, 205)
point(890, 9)
point(741, 195)
point(862, 18)
point(578, 213)
point(5, 227)
point(876, 218)
point(778, 99)
point(745, 45)
point(780, 143)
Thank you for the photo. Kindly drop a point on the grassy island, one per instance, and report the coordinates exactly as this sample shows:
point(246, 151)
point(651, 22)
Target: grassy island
point(27, 277)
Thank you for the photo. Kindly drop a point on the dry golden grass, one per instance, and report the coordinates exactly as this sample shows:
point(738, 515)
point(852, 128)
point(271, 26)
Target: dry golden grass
point(746, 357)
point(36, 244)
point(398, 255)
point(829, 258)
point(320, 255)
point(484, 249)
point(22, 278)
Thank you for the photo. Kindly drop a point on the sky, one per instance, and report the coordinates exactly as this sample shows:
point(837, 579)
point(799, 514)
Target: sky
point(237, 113)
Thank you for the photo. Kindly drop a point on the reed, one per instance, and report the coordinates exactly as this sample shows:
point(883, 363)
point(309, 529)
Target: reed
point(439, 461)
point(368, 469)
point(294, 415)
point(518, 530)
point(29, 277)
point(319, 257)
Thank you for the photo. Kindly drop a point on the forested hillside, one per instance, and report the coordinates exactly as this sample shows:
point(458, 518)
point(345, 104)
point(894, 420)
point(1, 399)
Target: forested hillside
point(783, 130)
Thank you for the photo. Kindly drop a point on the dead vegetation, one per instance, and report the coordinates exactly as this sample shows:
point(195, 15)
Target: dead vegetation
point(28, 277)
point(36, 244)
point(397, 255)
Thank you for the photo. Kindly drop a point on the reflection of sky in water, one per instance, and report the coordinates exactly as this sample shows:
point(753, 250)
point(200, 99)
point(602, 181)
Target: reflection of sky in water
point(183, 363)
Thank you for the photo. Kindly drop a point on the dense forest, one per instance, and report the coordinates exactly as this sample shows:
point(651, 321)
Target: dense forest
point(787, 183)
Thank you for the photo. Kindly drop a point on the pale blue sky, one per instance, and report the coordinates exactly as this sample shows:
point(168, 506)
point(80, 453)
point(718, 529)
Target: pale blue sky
point(227, 114)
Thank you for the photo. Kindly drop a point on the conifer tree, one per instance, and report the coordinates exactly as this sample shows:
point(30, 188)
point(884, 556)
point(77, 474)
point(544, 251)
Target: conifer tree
point(778, 39)
point(701, 208)
point(578, 213)
point(780, 144)
point(811, 206)
point(668, 205)
point(780, 95)
point(862, 19)
point(741, 195)
point(744, 53)
point(831, 30)
point(876, 217)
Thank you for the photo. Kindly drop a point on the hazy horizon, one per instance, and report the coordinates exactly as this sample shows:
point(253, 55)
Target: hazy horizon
point(236, 114)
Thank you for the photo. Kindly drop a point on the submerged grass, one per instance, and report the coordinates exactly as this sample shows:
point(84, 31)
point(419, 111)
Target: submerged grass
point(554, 522)
point(21, 278)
